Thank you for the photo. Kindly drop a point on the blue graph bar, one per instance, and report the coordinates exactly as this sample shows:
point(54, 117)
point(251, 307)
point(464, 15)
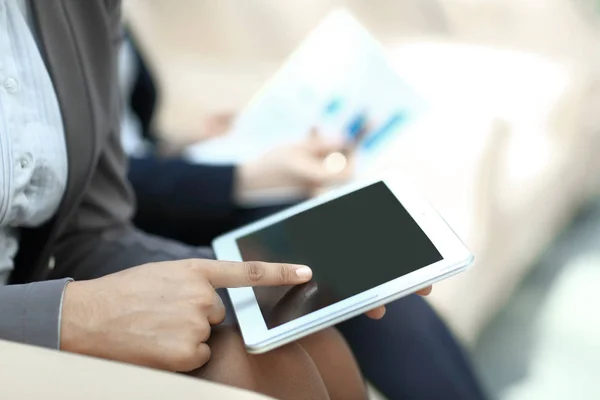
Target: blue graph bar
point(385, 131)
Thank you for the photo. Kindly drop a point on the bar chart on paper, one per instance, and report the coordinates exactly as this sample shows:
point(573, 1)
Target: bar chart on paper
point(337, 81)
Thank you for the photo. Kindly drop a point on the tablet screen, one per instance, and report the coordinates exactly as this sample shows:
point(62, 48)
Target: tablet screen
point(353, 243)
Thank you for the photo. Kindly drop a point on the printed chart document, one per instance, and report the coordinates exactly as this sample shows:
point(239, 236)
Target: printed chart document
point(336, 80)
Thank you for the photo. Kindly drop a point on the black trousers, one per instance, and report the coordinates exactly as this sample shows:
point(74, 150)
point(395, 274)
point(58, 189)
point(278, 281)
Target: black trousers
point(409, 354)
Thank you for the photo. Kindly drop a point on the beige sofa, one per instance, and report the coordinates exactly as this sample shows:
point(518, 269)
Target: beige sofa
point(28, 372)
point(509, 159)
point(508, 171)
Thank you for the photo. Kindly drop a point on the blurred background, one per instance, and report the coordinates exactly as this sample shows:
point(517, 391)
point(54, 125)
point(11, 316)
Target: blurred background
point(514, 171)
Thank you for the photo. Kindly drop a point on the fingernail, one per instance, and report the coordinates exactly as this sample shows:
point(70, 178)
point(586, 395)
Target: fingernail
point(304, 272)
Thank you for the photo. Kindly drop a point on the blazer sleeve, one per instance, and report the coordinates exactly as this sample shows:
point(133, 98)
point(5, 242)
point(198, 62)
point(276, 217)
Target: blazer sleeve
point(99, 237)
point(31, 313)
point(175, 189)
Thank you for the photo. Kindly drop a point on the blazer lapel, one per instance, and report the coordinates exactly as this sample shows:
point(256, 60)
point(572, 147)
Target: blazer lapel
point(62, 56)
point(59, 47)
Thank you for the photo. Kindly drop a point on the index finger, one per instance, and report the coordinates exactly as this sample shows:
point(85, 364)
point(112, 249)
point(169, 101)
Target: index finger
point(230, 274)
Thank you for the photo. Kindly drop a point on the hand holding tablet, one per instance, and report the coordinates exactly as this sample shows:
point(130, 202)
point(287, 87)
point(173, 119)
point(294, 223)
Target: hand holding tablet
point(368, 244)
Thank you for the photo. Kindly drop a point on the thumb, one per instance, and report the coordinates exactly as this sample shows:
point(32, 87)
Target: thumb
point(315, 172)
point(334, 168)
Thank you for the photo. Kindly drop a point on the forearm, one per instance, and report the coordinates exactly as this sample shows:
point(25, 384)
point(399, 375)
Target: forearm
point(31, 313)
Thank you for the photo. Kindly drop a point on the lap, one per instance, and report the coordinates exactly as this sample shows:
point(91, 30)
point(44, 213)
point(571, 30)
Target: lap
point(285, 373)
point(318, 367)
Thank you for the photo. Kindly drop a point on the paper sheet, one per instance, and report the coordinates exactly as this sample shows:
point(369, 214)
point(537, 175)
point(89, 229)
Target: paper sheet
point(338, 72)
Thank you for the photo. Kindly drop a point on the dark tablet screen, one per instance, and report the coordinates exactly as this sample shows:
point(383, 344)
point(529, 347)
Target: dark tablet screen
point(353, 243)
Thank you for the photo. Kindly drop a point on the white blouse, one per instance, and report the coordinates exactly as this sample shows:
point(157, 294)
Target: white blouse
point(33, 155)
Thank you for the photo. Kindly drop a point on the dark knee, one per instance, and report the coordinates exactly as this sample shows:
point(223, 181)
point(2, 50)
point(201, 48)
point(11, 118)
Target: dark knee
point(229, 364)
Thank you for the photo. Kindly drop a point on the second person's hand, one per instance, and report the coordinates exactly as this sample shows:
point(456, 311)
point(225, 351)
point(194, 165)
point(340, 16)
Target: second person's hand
point(299, 166)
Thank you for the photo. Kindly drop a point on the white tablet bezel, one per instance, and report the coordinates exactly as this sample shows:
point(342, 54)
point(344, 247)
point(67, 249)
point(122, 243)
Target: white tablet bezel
point(456, 257)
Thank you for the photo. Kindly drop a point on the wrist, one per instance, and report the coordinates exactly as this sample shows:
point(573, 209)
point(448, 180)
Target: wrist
point(248, 177)
point(75, 318)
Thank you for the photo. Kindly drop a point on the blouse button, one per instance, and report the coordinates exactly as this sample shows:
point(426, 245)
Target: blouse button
point(26, 161)
point(11, 85)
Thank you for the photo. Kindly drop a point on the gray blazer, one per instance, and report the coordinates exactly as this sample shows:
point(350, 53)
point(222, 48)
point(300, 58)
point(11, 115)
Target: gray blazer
point(91, 234)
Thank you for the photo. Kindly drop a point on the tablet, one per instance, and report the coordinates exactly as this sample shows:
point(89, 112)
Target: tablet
point(368, 243)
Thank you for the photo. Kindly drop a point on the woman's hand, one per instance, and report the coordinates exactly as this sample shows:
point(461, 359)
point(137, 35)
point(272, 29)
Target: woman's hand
point(160, 315)
point(300, 165)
